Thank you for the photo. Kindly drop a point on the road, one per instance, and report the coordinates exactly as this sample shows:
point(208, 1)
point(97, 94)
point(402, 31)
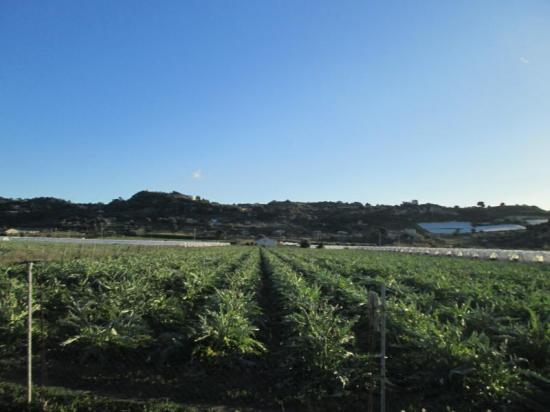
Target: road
point(133, 242)
point(539, 256)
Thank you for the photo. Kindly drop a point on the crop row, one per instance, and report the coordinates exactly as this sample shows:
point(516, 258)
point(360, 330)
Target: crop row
point(106, 309)
point(473, 330)
point(468, 333)
point(318, 341)
point(228, 323)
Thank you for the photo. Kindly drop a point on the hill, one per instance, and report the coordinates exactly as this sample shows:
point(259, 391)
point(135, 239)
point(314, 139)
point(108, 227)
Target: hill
point(178, 215)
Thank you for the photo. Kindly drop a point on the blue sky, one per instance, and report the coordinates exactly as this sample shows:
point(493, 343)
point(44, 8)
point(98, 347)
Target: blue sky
point(250, 101)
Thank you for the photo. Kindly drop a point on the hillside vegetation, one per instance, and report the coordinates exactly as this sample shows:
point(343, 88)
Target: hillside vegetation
point(177, 215)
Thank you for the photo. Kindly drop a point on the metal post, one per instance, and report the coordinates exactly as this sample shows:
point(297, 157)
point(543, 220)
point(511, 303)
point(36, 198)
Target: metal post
point(43, 361)
point(383, 349)
point(29, 337)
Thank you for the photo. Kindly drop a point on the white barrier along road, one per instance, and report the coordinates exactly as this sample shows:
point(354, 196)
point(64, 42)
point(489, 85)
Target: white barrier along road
point(136, 242)
point(538, 256)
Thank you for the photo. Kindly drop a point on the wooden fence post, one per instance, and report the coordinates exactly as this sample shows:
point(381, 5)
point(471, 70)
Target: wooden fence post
point(383, 349)
point(29, 337)
point(43, 360)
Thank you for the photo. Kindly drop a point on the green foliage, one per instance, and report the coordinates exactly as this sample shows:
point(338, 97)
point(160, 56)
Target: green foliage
point(473, 335)
point(304, 243)
point(226, 330)
point(318, 338)
point(468, 329)
point(13, 312)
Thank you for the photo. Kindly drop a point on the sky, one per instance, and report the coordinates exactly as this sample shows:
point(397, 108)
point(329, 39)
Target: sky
point(384, 101)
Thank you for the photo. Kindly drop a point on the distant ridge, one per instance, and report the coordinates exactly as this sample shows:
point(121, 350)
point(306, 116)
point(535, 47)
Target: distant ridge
point(177, 214)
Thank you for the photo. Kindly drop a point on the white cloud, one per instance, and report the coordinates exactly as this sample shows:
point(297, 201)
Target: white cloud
point(524, 60)
point(197, 174)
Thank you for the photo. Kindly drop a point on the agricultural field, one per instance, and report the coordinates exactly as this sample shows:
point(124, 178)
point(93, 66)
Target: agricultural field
point(144, 329)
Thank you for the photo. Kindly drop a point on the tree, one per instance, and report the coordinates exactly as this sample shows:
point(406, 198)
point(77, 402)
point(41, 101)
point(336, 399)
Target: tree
point(481, 204)
point(173, 223)
point(304, 243)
